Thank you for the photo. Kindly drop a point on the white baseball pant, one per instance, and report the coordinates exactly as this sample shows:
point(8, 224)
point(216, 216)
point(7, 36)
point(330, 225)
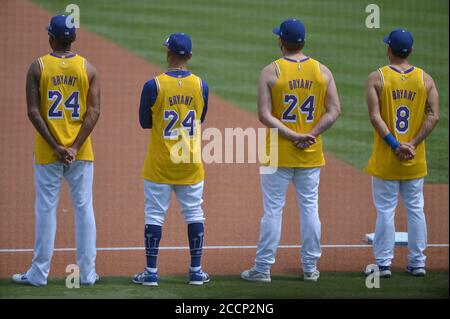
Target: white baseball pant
point(274, 187)
point(157, 200)
point(47, 180)
point(385, 198)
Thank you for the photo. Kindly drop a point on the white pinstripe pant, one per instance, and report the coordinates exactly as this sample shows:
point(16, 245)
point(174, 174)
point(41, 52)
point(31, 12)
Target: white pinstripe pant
point(274, 187)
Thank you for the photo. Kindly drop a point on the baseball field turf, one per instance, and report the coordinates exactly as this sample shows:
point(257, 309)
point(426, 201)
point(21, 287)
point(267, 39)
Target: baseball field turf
point(232, 42)
point(330, 285)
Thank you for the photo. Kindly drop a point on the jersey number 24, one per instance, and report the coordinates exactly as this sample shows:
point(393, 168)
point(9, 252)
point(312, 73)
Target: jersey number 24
point(291, 101)
point(54, 112)
point(172, 117)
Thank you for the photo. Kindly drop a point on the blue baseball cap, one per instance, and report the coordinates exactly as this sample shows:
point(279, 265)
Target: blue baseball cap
point(59, 27)
point(291, 30)
point(400, 41)
point(179, 43)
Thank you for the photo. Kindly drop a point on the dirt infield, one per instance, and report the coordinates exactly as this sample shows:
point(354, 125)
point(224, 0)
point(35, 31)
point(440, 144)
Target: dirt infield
point(232, 200)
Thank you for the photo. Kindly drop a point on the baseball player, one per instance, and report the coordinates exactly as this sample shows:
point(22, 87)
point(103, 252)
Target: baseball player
point(63, 100)
point(298, 96)
point(403, 108)
point(173, 105)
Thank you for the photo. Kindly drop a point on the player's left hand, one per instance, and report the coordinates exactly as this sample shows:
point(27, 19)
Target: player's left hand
point(304, 141)
point(405, 151)
point(302, 145)
point(72, 155)
point(63, 154)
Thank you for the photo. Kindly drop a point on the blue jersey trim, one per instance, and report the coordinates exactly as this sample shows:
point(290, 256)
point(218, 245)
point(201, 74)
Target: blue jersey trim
point(63, 57)
point(409, 70)
point(178, 73)
point(301, 60)
point(398, 71)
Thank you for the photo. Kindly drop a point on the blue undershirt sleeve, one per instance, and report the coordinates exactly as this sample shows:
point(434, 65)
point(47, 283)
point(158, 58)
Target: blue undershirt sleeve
point(148, 98)
point(205, 94)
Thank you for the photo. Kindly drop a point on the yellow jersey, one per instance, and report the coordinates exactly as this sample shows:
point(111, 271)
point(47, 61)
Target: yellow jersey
point(298, 98)
point(174, 150)
point(64, 85)
point(402, 106)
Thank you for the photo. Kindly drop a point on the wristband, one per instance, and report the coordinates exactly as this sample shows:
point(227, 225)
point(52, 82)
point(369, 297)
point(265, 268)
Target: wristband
point(390, 139)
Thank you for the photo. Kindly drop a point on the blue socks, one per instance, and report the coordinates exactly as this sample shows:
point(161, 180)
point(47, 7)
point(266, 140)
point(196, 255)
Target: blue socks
point(195, 234)
point(152, 238)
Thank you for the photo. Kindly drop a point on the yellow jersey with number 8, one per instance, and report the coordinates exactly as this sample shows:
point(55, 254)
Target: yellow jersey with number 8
point(63, 88)
point(298, 101)
point(174, 151)
point(402, 106)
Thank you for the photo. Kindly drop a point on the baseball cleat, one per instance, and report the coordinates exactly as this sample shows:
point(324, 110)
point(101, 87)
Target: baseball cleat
point(23, 280)
point(20, 279)
point(311, 276)
point(97, 278)
point(198, 278)
point(384, 271)
point(253, 275)
point(146, 278)
point(416, 271)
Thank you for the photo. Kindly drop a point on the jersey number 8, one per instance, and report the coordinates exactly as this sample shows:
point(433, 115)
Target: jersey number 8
point(402, 119)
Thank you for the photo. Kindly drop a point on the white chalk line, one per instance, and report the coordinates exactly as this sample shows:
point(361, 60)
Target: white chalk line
point(26, 250)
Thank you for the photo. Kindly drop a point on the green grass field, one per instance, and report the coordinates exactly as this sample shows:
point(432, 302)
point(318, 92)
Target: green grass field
point(330, 285)
point(233, 42)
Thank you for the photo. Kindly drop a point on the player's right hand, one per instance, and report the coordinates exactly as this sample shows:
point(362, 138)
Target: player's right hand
point(405, 152)
point(304, 140)
point(73, 153)
point(63, 154)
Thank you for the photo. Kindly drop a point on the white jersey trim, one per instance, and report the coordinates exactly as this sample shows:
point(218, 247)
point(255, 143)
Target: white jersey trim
point(277, 69)
point(41, 64)
point(158, 86)
point(381, 77)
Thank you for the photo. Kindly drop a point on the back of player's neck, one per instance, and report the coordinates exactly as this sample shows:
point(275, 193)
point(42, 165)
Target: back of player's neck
point(295, 56)
point(399, 63)
point(62, 52)
point(176, 67)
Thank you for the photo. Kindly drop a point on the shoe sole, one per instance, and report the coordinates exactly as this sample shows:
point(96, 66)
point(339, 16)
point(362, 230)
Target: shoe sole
point(150, 284)
point(144, 283)
point(266, 281)
point(386, 275)
point(416, 275)
point(198, 283)
point(27, 283)
point(311, 279)
point(21, 282)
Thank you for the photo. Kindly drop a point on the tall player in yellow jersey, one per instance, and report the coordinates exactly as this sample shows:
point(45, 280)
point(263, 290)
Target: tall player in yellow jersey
point(404, 108)
point(173, 105)
point(63, 99)
point(297, 95)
